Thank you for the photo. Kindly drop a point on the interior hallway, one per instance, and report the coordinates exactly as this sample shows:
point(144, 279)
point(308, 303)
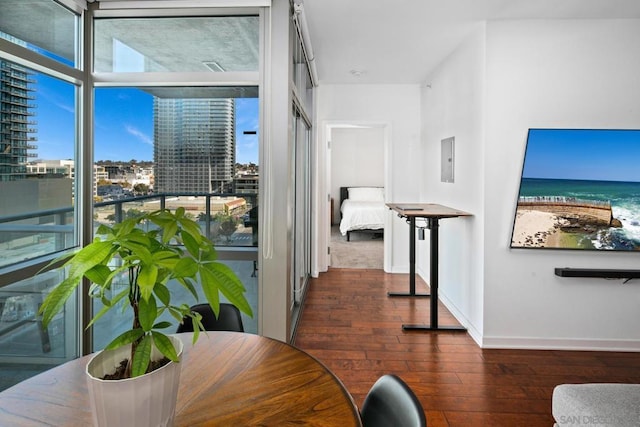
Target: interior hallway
point(350, 325)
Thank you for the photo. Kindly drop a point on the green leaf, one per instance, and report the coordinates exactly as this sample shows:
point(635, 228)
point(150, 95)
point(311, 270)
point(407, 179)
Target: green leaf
point(218, 276)
point(163, 343)
point(166, 258)
point(147, 313)
point(163, 293)
point(147, 279)
point(99, 274)
point(104, 230)
point(210, 289)
point(89, 256)
point(176, 314)
point(54, 302)
point(162, 325)
point(192, 245)
point(208, 254)
point(193, 229)
point(137, 251)
point(169, 231)
point(186, 267)
point(124, 338)
point(141, 357)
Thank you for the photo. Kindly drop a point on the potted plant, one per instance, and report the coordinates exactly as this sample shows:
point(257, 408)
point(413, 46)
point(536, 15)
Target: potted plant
point(157, 252)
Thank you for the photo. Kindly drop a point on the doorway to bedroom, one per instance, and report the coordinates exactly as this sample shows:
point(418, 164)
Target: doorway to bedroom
point(357, 162)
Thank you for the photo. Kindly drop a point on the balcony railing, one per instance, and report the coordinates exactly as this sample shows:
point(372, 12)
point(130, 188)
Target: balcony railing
point(34, 234)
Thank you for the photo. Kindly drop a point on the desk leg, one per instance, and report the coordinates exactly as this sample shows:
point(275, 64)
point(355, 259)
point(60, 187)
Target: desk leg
point(412, 264)
point(433, 225)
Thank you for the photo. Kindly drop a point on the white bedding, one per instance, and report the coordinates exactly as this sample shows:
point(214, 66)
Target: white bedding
point(361, 215)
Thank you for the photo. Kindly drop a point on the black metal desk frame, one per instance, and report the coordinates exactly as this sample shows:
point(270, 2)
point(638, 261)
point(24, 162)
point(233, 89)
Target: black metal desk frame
point(433, 224)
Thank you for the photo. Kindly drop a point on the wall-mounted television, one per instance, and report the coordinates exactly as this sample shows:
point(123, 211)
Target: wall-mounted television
point(579, 189)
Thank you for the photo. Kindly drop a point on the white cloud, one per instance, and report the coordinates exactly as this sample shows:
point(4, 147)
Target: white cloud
point(139, 134)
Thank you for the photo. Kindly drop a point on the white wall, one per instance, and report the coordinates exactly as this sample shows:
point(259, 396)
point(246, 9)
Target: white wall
point(570, 74)
point(357, 159)
point(395, 108)
point(452, 106)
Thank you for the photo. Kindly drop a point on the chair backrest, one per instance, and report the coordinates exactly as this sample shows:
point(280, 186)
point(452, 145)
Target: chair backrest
point(390, 402)
point(229, 319)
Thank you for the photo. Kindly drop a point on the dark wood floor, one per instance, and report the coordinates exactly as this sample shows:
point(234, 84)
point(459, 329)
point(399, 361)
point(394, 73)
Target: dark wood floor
point(350, 324)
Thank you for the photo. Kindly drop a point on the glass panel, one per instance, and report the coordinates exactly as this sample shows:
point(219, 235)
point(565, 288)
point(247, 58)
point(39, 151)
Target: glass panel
point(302, 76)
point(195, 44)
point(301, 262)
point(181, 147)
point(25, 347)
point(37, 178)
point(43, 26)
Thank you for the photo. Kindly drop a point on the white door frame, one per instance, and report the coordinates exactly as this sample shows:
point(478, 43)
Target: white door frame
point(323, 200)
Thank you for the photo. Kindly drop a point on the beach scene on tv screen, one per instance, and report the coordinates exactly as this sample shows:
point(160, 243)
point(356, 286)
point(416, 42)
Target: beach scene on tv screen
point(579, 189)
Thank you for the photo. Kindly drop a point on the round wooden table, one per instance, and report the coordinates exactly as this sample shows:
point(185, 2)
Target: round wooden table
point(227, 379)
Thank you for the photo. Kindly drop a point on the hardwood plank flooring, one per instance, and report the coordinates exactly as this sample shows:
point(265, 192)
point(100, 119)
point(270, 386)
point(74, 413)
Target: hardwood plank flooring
point(350, 324)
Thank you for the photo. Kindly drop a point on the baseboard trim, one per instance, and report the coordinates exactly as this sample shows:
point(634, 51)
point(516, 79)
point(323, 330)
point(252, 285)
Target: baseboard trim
point(533, 343)
point(536, 343)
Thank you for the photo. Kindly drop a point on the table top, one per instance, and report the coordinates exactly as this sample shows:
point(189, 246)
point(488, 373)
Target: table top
point(227, 378)
point(426, 210)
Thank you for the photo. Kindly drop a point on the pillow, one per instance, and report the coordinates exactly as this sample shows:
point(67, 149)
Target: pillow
point(368, 194)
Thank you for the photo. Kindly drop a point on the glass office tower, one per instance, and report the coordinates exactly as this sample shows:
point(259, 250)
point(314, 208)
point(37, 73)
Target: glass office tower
point(194, 145)
point(17, 127)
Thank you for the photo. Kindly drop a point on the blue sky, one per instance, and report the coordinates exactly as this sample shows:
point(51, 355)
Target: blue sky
point(123, 125)
point(600, 155)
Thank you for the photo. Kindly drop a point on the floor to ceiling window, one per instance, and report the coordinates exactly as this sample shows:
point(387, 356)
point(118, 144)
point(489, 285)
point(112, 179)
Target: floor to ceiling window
point(169, 118)
point(40, 84)
point(170, 143)
point(128, 106)
point(181, 147)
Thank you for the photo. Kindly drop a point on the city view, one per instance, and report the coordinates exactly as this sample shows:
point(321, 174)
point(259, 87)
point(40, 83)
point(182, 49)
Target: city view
point(150, 151)
point(71, 161)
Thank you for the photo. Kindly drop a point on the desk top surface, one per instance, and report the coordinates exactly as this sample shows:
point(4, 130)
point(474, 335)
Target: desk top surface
point(426, 210)
point(227, 378)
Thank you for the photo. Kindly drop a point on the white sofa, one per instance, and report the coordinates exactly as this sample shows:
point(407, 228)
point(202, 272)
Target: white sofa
point(602, 405)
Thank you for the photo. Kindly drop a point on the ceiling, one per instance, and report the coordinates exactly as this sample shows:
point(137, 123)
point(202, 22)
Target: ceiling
point(401, 41)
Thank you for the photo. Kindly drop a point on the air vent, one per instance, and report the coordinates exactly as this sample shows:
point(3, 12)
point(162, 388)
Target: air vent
point(213, 66)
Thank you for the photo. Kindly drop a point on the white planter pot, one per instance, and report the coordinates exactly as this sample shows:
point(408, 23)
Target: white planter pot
point(147, 400)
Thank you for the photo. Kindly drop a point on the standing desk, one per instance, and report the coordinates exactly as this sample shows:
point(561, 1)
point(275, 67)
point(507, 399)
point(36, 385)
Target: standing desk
point(432, 213)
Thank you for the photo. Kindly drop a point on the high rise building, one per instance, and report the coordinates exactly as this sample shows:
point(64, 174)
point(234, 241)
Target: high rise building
point(17, 128)
point(194, 145)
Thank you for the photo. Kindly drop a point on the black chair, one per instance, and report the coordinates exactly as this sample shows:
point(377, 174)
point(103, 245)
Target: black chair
point(391, 403)
point(229, 319)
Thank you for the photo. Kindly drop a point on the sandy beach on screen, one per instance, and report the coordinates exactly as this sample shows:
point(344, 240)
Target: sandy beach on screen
point(536, 229)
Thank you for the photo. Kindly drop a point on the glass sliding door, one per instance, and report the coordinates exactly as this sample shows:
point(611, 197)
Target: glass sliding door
point(301, 263)
point(302, 94)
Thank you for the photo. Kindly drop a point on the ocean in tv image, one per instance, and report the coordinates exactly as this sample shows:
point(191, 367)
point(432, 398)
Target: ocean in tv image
point(580, 189)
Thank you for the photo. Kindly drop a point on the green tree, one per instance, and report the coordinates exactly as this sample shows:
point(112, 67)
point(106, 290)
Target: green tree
point(141, 188)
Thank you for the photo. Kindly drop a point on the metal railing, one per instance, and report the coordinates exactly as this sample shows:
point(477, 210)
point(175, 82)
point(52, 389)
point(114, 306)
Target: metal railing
point(31, 235)
point(563, 200)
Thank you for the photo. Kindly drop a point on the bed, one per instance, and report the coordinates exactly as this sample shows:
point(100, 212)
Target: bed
point(362, 209)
